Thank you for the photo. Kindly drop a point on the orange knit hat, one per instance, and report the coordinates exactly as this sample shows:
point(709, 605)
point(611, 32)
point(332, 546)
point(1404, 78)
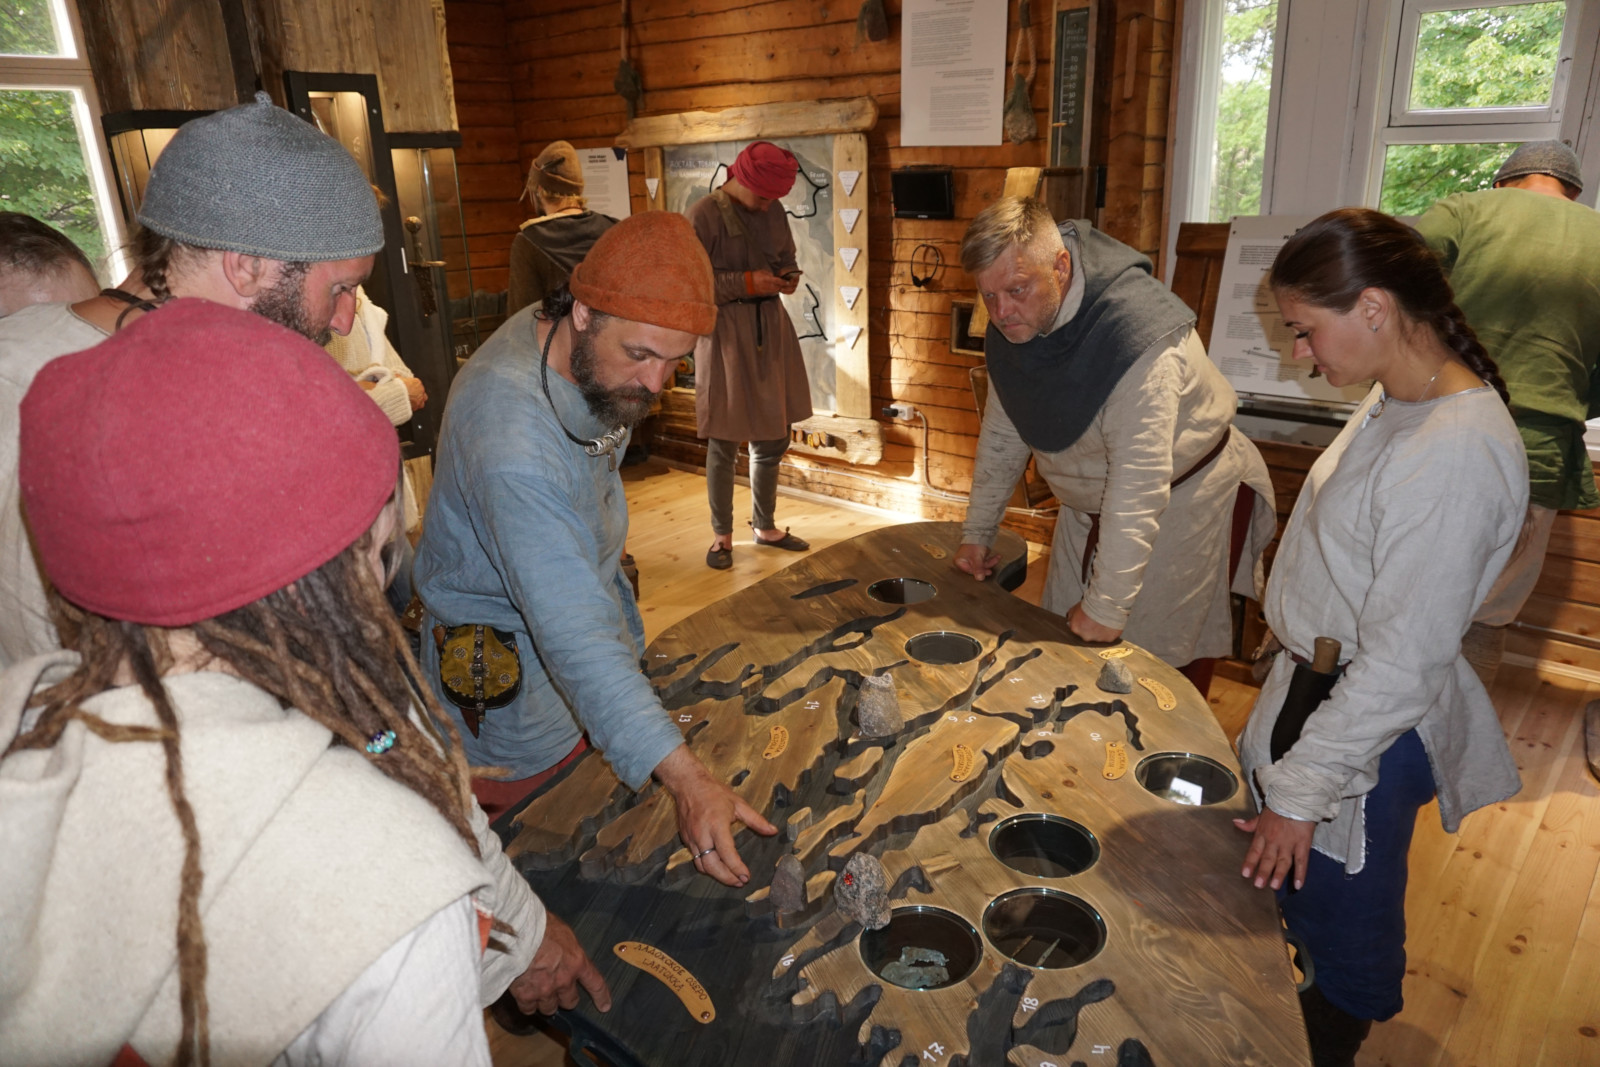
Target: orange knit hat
point(650, 268)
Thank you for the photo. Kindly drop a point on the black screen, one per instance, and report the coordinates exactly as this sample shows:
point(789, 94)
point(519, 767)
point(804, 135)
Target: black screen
point(923, 193)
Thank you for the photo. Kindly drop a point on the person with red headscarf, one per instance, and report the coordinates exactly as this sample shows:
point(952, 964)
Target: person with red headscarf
point(751, 384)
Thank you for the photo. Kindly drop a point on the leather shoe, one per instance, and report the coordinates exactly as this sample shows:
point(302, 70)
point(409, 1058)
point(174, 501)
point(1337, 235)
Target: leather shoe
point(788, 542)
point(719, 559)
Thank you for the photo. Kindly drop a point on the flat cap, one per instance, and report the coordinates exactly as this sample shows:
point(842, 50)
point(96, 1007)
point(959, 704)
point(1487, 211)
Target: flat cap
point(1542, 157)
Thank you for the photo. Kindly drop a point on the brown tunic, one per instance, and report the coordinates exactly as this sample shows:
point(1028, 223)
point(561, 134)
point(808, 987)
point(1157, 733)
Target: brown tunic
point(742, 392)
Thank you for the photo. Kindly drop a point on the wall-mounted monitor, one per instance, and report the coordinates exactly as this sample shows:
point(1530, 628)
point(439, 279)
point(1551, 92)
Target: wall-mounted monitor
point(923, 193)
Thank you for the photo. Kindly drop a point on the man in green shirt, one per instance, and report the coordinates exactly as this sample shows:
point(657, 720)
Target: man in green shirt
point(1524, 261)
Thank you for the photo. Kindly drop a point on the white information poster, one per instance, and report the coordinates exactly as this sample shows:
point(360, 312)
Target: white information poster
point(605, 180)
point(1248, 339)
point(952, 71)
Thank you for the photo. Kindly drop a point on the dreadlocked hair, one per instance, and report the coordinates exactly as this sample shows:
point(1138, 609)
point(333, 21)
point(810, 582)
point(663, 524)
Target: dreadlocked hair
point(1329, 261)
point(328, 646)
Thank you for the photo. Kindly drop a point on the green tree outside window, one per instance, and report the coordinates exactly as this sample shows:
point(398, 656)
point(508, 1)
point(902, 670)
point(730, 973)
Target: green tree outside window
point(1242, 98)
point(1471, 58)
point(42, 169)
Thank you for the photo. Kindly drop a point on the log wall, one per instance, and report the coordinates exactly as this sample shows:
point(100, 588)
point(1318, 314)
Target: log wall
point(488, 162)
point(557, 60)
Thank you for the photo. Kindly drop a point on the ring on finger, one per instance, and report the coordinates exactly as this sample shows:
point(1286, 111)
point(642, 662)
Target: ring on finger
point(704, 852)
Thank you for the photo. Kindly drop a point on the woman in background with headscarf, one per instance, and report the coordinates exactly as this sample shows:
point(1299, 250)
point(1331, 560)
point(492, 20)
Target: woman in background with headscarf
point(750, 384)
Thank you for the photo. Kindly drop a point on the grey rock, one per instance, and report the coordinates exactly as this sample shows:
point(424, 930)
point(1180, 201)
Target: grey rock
point(788, 885)
point(878, 707)
point(1115, 677)
point(918, 968)
point(861, 892)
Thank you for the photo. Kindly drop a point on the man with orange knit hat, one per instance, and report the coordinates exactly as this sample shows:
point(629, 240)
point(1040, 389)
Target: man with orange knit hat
point(751, 385)
point(519, 561)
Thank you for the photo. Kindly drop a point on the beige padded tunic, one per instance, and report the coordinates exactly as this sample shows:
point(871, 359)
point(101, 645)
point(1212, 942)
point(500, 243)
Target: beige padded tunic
point(1160, 571)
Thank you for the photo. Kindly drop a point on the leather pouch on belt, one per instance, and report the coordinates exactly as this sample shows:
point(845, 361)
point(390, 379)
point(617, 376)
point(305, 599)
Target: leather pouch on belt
point(479, 669)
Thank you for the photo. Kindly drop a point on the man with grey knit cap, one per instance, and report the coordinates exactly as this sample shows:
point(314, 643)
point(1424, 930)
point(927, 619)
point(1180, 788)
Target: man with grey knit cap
point(249, 207)
point(1524, 261)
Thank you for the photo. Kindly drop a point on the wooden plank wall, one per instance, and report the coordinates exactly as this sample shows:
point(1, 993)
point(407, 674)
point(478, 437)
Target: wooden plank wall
point(557, 60)
point(1138, 99)
point(489, 160)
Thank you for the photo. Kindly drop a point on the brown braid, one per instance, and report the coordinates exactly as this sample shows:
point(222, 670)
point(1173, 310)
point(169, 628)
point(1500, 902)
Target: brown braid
point(328, 646)
point(1329, 261)
point(155, 256)
point(1459, 336)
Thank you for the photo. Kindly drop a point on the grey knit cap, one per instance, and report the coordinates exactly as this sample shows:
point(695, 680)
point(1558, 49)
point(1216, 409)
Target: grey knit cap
point(258, 180)
point(1542, 157)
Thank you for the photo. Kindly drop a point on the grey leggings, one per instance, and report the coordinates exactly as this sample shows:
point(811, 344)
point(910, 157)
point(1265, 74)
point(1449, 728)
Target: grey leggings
point(721, 459)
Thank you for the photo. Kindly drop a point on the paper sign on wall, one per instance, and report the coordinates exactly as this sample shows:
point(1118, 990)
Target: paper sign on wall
point(605, 180)
point(848, 179)
point(849, 255)
point(651, 185)
point(851, 294)
point(848, 216)
point(849, 336)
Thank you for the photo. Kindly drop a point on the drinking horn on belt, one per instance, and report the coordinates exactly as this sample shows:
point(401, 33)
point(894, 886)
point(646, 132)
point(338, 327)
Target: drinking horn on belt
point(1310, 686)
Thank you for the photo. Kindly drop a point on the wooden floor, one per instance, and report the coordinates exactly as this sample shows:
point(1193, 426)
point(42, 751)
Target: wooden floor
point(1504, 917)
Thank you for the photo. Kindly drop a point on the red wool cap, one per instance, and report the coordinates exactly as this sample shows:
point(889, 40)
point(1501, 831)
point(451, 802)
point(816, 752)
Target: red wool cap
point(765, 169)
point(650, 268)
point(195, 462)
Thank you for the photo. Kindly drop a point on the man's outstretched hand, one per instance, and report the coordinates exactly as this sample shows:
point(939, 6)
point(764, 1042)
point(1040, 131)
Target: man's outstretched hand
point(707, 810)
point(559, 967)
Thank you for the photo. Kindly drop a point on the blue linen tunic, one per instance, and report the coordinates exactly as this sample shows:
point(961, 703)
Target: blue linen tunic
point(524, 533)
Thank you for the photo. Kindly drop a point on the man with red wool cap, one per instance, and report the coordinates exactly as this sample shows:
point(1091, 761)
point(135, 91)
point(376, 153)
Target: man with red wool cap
point(230, 823)
point(751, 384)
point(249, 207)
point(532, 632)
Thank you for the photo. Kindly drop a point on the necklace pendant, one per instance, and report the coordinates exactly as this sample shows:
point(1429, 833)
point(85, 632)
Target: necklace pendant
point(611, 460)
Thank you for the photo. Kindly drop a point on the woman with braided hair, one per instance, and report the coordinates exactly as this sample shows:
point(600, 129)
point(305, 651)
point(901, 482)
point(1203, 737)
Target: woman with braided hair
point(237, 828)
point(1402, 526)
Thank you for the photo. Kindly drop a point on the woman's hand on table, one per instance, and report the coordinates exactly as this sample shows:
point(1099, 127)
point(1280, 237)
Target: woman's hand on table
point(559, 967)
point(1281, 846)
point(707, 810)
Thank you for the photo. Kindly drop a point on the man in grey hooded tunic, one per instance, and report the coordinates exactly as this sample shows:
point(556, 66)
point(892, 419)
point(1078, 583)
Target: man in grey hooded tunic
point(1096, 372)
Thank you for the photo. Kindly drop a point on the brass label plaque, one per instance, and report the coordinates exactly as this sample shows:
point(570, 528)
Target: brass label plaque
point(672, 974)
point(962, 755)
point(779, 742)
point(1164, 698)
point(1120, 652)
point(1116, 761)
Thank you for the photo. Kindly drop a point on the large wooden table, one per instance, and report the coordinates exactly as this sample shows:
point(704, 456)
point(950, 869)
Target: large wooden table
point(981, 808)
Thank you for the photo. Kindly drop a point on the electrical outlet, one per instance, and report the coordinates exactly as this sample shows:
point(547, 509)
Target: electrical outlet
point(900, 410)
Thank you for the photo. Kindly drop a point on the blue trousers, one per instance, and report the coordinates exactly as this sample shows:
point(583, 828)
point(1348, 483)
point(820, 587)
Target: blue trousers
point(1354, 926)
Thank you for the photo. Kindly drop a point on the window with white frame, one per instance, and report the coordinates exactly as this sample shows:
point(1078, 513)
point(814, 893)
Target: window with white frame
point(52, 160)
point(1471, 80)
point(1225, 94)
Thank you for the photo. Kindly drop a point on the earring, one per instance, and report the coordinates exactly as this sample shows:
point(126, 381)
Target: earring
point(1374, 328)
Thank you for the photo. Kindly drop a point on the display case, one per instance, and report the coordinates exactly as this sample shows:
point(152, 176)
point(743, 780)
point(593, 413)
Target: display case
point(135, 139)
point(347, 108)
point(456, 315)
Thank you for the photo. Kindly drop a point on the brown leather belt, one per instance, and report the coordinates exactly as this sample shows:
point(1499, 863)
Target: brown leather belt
point(1205, 461)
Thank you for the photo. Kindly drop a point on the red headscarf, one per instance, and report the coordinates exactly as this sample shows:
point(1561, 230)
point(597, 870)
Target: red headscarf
point(765, 169)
